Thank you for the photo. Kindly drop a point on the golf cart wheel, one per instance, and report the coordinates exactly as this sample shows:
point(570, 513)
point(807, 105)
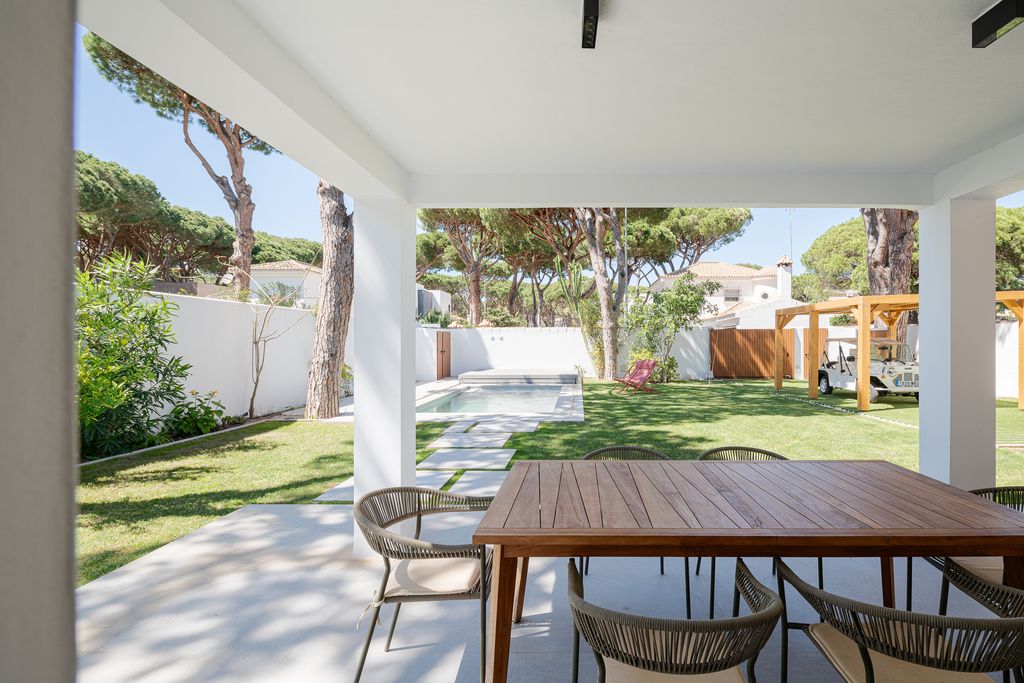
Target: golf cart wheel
point(823, 386)
point(874, 395)
point(917, 396)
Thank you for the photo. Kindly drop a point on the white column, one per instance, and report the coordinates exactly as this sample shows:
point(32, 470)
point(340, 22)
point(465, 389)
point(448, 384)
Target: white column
point(384, 361)
point(37, 406)
point(957, 342)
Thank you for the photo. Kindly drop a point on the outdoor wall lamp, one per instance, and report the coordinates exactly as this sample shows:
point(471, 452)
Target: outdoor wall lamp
point(999, 20)
point(590, 11)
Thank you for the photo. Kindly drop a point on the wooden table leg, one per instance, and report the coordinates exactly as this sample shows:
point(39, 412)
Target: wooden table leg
point(1013, 572)
point(521, 574)
point(499, 628)
point(888, 583)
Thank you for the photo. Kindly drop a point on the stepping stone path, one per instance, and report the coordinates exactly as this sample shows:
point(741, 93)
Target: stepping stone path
point(469, 459)
point(471, 440)
point(506, 425)
point(345, 491)
point(478, 483)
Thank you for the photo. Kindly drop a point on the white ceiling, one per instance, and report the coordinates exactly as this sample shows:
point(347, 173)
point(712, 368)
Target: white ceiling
point(674, 86)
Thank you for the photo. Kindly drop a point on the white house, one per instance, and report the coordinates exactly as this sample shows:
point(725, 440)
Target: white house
point(278, 277)
point(748, 297)
point(431, 299)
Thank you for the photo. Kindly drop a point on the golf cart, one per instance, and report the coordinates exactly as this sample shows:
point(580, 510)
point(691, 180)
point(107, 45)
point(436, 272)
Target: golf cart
point(894, 368)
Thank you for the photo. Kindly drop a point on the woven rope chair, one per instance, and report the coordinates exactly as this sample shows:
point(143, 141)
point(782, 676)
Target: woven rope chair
point(743, 453)
point(866, 642)
point(424, 571)
point(987, 568)
point(623, 642)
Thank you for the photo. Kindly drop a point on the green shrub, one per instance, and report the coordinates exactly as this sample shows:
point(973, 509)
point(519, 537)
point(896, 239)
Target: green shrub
point(435, 317)
point(500, 317)
point(199, 414)
point(667, 371)
point(126, 378)
point(843, 320)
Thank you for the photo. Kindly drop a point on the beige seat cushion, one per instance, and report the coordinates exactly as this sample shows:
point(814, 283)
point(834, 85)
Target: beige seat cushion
point(617, 672)
point(427, 577)
point(988, 568)
point(845, 657)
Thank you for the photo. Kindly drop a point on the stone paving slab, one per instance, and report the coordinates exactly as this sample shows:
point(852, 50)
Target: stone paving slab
point(475, 483)
point(460, 427)
point(506, 425)
point(345, 491)
point(469, 459)
point(471, 440)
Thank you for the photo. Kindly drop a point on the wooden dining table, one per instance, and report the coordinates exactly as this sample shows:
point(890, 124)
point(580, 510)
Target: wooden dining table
point(790, 508)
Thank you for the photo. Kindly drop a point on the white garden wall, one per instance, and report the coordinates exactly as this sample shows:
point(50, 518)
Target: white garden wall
point(540, 348)
point(1006, 359)
point(215, 338)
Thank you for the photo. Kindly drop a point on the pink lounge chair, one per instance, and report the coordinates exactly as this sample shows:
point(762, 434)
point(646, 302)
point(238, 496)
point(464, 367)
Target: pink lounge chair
point(637, 377)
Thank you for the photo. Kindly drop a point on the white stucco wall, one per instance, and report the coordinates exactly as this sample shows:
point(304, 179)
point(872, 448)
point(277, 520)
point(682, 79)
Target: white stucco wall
point(692, 350)
point(215, 338)
point(306, 285)
point(426, 354)
point(541, 348)
point(1006, 359)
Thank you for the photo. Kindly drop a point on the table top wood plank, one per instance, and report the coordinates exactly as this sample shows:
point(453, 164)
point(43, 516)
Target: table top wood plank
point(883, 514)
point(549, 475)
point(713, 511)
point(586, 478)
point(525, 512)
point(922, 507)
point(764, 480)
point(499, 509)
point(659, 510)
point(621, 477)
point(657, 474)
point(814, 495)
point(740, 500)
point(777, 503)
point(570, 512)
point(956, 501)
point(615, 512)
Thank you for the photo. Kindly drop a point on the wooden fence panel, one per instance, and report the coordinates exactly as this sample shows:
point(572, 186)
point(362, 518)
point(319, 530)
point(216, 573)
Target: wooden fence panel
point(748, 354)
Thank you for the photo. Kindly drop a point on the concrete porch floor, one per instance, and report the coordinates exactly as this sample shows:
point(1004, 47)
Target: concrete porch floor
point(271, 593)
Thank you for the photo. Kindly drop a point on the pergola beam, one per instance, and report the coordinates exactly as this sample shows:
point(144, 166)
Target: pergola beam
point(888, 307)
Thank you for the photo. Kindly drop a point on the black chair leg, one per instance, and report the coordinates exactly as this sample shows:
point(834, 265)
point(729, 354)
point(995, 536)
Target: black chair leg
point(735, 602)
point(662, 566)
point(784, 634)
point(483, 632)
point(586, 566)
point(575, 654)
point(391, 631)
point(686, 581)
point(910, 584)
point(697, 573)
point(711, 609)
point(821, 574)
point(944, 596)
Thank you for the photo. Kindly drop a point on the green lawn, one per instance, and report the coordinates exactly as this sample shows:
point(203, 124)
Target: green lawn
point(1009, 418)
point(130, 506)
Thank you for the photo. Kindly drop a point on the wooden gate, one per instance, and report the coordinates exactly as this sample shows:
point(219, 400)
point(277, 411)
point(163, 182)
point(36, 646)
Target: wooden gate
point(748, 354)
point(444, 354)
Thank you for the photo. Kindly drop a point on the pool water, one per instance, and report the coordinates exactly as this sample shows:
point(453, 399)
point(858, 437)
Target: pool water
point(507, 398)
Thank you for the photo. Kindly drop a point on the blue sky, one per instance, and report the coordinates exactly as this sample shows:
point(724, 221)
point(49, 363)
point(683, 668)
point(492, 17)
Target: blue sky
point(112, 127)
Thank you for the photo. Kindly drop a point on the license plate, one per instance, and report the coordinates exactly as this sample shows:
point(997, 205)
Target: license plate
point(901, 383)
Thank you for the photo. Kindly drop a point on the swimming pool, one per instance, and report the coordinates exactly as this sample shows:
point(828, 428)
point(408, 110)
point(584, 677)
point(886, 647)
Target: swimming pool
point(492, 399)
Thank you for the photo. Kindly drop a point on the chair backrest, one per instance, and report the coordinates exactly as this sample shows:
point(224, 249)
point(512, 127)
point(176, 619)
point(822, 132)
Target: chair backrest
point(380, 509)
point(739, 453)
point(1010, 496)
point(625, 453)
point(640, 369)
point(967, 645)
point(678, 646)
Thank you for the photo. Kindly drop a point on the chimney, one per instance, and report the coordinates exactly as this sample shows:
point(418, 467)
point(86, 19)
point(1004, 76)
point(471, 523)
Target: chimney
point(784, 277)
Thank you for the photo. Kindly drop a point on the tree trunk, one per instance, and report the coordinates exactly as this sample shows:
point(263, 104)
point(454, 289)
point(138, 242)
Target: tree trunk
point(334, 305)
point(610, 290)
point(473, 279)
point(890, 254)
point(240, 261)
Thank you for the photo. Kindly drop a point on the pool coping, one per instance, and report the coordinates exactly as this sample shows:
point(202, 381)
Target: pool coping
point(568, 406)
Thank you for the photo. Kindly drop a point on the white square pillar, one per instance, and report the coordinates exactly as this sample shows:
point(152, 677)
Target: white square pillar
point(384, 358)
point(957, 342)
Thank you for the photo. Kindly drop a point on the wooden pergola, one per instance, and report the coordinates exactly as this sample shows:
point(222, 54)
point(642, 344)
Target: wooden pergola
point(867, 309)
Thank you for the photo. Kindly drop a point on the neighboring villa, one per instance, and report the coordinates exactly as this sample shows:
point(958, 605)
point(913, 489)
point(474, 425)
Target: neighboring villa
point(279, 277)
point(748, 297)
